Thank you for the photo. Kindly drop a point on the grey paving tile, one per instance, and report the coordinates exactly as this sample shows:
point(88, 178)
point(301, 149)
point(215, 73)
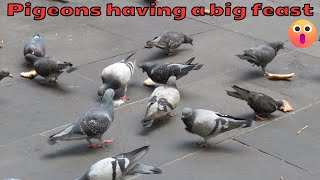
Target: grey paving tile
point(29, 108)
point(230, 160)
point(28, 159)
point(260, 27)
point(280, 139)
point(152, 26)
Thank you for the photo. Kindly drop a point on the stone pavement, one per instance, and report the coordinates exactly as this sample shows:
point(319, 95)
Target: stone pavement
point(271, 149)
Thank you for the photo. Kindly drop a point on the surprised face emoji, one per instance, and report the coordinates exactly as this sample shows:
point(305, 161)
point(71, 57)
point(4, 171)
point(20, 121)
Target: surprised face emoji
point(302, 33)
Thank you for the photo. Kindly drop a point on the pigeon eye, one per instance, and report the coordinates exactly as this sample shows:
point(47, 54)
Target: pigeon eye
point(296, 28)
point(307, 28)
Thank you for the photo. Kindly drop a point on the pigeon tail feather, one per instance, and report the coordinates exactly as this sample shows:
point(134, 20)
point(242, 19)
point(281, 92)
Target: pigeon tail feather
point(127, 58)
point(189, 61)
point(234, 94)
point(144, 169)
point(197, 67)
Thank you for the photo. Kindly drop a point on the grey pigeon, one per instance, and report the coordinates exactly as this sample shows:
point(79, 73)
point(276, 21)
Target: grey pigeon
point(262, 104)
point(162, 101)
point(5, 73)
point(261, 55)
point(35, 46)
point(117, 76)
point(169, 41)
point(208, 124)
point(49, 67)
point(118, 167)
point(160, 73)
point(92, 125)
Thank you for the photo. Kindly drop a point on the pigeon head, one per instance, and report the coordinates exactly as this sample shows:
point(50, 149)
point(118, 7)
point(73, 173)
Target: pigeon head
point(279, 104)
point(102, 89)
point(36, 36)
point(187, 114)
point(31, 58)
point(188, 39)
point(277, 45)
point(108, 96)
point(5, 73)
point(146, 67)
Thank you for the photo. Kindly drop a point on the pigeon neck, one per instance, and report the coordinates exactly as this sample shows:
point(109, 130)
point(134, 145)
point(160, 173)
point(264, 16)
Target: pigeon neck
point(106, 100)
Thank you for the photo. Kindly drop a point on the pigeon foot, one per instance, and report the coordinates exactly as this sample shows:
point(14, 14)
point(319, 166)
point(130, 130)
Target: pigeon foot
point(202, 145)
point(260, 118)
point(109, 141)
point(172, 115)
point(94, 146)
point(124, 98)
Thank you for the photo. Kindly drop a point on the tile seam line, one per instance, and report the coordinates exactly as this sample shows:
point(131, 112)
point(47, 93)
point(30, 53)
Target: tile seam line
point(271, 155)
point(232, 138)
point(93, 26)
point(236, 32)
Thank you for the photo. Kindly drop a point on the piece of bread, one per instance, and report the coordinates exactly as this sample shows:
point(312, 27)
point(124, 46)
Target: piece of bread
point(280, 76)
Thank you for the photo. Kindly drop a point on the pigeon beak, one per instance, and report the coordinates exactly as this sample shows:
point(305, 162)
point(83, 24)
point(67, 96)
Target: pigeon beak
point(10, 75)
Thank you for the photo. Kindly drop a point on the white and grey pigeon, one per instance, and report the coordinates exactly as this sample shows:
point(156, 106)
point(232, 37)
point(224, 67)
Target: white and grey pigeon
point(162, 101)
point(169, 41)
point(120, 166)
point(160, 73)
point(117, 76)
point(35, 46)
point(49, 67)
point(92, 125)
point(5, 73)
point(207, 124)
point(261, 55)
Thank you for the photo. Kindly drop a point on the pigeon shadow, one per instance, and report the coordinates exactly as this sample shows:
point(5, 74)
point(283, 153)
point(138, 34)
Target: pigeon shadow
point(212, 147)
point(159, 55)
point(57, 87)
point(155, 126)
point(250, 75)
point(221, 148)
point(75, 150)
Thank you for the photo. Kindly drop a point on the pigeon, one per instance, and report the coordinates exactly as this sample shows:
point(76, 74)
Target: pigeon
point(5, 73)
point(262, 104)
point(47, 67)
point(120, 166)
point(117, 76)
point(35, 46)
point(208, 124)
point(261, 55)
point(92, 125)
point(169, 41)
point(160, 73)
point(162, 101)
